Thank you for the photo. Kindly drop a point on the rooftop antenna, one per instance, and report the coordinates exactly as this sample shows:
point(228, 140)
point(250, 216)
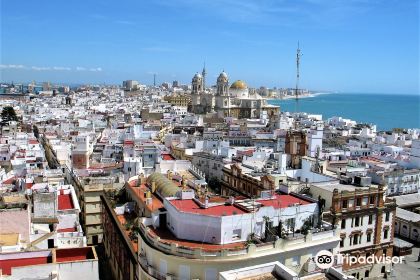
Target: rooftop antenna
point(298, 55)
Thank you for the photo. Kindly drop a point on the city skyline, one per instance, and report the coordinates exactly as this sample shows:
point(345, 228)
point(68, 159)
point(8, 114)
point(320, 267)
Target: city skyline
point(350, 46)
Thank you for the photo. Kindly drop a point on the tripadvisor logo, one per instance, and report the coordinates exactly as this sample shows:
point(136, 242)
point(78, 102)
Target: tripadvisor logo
point(325, 259)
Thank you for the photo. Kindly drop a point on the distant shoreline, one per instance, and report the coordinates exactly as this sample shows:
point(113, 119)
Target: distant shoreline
point(315, 94)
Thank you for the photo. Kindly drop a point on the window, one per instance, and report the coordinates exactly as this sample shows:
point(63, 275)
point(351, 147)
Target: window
point(367, 273)
point(387, 217)
point(385, 233)
point(343, 224)
point(370, 219)
point(236, 234)
point(344, 204)
point(357, 221)
point(358, 202)
point(372, 199)
point(355, 239)
point(383, 269)
point(342, 242)
point(369, 237)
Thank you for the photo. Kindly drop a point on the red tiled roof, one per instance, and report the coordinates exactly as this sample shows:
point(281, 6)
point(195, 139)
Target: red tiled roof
point(74, 254)
point(139, 192)
point(9, 181)
point(33, 141)
point(283, 201)
point(246, 152)
point(128, 142)
point(190, 206)
point(73, 229)
point(167, 157)
point(7, 265)
point(65, 202)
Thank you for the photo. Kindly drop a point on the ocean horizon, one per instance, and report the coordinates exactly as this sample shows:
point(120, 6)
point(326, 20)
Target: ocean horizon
point(387, 111)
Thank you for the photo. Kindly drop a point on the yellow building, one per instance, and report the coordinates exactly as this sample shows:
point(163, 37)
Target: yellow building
point(183, 100)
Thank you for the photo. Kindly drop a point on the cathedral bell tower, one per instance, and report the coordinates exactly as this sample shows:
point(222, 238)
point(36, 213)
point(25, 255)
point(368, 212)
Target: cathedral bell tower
point(197, 88)
point(222, 95)
point(197, 83)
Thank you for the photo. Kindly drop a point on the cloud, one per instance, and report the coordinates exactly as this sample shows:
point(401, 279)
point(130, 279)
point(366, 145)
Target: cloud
point(11, 66)
point(277, 12)
point(125, 22)
point(49, 68)
point(91, 69)
point(36, 68)
point(60, 68)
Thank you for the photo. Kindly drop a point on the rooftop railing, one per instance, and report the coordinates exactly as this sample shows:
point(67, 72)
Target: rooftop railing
point(172, 247)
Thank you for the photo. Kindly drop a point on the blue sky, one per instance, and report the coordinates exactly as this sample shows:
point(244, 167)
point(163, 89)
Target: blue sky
point(347, 45)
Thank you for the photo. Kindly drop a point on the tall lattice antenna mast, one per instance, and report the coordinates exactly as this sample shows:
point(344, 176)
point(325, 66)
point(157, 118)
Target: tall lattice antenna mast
point(298, 55)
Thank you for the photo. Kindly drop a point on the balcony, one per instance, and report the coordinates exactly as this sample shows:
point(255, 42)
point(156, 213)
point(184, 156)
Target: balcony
point(164, 241)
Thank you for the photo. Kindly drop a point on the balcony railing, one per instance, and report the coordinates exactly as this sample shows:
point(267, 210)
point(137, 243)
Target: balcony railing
point(201, 253)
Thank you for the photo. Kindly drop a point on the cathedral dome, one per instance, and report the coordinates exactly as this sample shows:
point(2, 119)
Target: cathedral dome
point(239, 85)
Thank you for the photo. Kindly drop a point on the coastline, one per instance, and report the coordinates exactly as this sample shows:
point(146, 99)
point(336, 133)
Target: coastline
point(362, 108)
point(315, 94)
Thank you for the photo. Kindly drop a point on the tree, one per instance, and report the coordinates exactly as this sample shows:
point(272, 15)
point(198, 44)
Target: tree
point(8, 114)
point(36, 131)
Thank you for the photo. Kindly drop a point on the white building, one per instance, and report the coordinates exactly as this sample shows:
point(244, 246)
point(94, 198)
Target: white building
point(63, 264)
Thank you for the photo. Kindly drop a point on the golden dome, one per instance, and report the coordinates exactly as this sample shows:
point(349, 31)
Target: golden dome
point(239, 85)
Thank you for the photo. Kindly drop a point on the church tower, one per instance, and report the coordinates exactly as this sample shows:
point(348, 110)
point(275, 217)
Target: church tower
point(197, 87)
point(222, 95)
point(197, 83)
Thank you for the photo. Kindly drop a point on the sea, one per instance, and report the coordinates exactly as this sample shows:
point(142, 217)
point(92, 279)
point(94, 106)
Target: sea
point(387, 111)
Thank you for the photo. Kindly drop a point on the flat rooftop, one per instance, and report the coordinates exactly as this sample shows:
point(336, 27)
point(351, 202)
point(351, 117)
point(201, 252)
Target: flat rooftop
point(190, 206)
point(283, 201)
point(21, 259)
point(75, 254)
point(220, 206)
point(10, 239)
point(408, 200)
point(65, 202)
point(330, 186)
point(167, 237)
point(407, 215)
